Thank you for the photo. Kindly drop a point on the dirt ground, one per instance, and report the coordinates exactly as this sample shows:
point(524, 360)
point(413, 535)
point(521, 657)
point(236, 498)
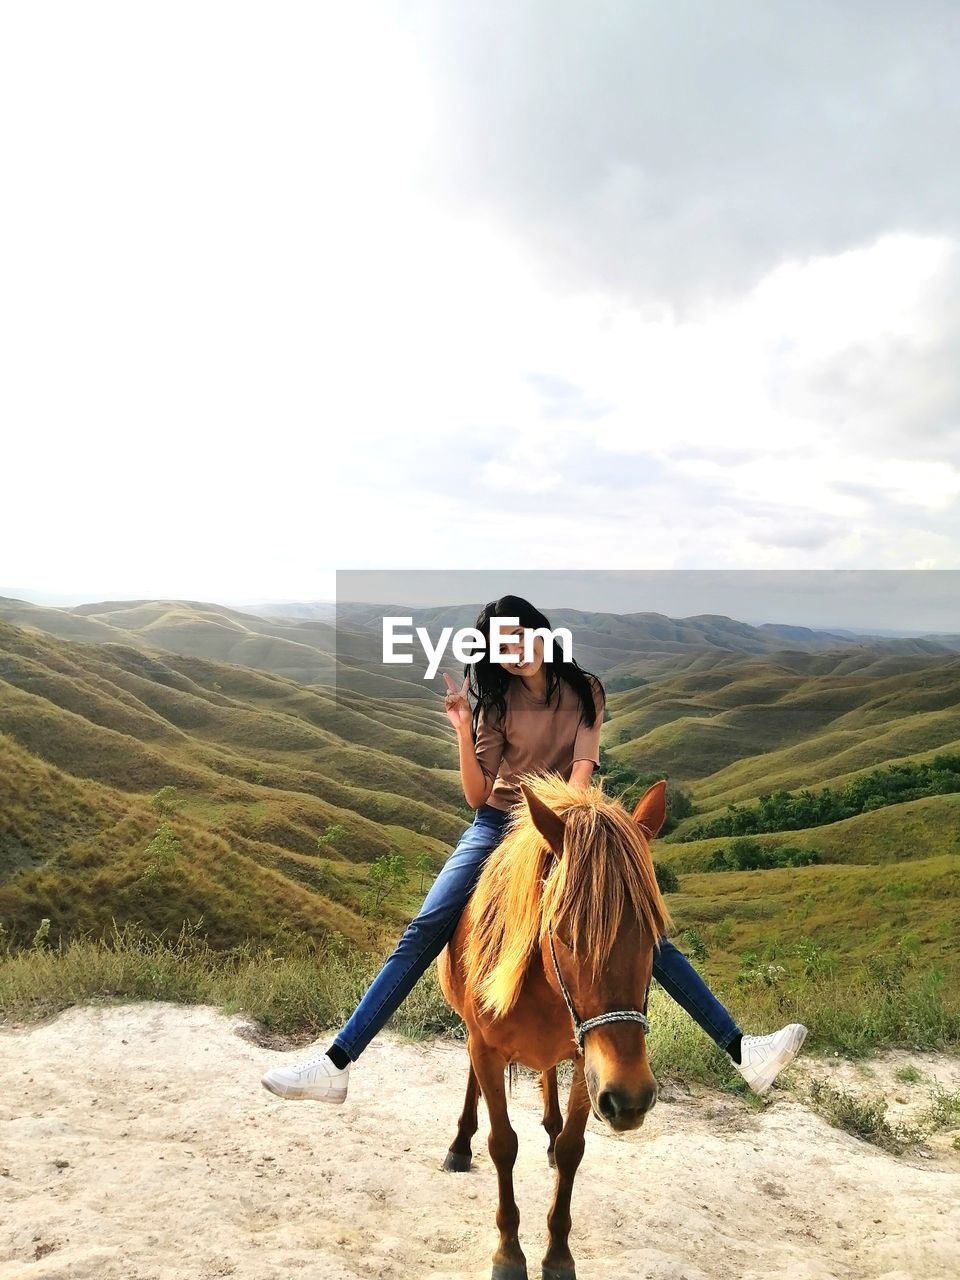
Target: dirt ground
point(136, 1141)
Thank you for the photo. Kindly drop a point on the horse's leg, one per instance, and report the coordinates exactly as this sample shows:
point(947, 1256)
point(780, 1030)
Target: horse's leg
point(552, 1116)
point(558, 1262)
point(460, 1156)
point(508, 1260)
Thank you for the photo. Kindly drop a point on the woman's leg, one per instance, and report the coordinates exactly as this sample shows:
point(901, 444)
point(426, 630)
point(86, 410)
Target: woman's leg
point(679, 979)
point(425, 936)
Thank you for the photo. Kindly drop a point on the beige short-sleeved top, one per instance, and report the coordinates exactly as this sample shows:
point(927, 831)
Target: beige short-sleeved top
point(534, 735)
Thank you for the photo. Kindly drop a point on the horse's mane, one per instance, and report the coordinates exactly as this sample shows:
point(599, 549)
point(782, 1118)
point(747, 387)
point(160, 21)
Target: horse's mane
point(606, 870)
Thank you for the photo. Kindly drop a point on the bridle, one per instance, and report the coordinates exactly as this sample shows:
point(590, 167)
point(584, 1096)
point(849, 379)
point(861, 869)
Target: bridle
point(581, 1028)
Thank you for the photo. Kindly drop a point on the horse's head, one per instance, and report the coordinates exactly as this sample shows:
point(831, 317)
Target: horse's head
point(602, 913)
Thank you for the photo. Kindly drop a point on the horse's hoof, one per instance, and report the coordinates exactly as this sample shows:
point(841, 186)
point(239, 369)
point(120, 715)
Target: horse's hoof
point(456, 1163)
point(551, 1159)
point(559, 1273)
point(509, 1271)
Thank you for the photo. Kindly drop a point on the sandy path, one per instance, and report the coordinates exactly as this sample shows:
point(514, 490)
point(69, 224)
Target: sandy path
point(136, 1141)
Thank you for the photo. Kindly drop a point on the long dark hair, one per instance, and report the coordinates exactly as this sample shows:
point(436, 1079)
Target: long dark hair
point(489, 681)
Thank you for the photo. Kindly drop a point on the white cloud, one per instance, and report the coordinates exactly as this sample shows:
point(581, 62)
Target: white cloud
point(251, 336)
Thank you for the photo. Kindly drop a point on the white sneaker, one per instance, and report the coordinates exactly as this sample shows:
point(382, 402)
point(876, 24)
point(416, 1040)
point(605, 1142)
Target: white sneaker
point(316, 1078)
point(762, 1058)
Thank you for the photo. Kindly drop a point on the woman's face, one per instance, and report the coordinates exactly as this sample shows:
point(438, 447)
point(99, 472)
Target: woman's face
point(512, 643)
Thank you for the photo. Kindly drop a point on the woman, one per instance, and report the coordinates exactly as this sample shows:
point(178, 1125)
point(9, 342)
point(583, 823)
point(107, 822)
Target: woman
point(544, 714)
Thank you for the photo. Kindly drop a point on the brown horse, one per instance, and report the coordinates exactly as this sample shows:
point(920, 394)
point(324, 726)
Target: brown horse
point(551, 960)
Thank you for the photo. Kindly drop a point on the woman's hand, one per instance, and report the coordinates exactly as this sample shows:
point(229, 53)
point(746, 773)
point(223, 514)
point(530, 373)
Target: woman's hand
point(456, 703)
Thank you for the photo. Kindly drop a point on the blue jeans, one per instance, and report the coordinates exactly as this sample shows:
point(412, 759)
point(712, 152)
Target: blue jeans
point(426, 936)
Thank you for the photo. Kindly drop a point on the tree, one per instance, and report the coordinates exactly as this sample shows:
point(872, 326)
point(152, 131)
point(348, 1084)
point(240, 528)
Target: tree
point(162, 850)
point(165, 801)
point(423, 864)
point(330, 835)
point(386, 873)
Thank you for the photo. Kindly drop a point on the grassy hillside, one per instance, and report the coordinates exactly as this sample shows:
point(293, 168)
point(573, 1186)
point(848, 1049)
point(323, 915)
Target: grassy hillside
point(747, 725)
point(731, 728)
point(845, 915)
point(917, 829)
point(299, 649)
point(263, 765)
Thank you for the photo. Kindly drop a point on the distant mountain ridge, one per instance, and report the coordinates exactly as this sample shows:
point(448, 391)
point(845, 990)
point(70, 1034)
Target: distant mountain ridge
point(307, 647)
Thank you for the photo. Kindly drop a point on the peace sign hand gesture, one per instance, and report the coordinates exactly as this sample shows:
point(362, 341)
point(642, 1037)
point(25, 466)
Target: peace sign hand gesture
point(456, 703)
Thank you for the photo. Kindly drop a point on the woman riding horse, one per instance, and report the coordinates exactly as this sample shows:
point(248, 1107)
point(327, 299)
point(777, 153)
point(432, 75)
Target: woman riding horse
point(546, 715)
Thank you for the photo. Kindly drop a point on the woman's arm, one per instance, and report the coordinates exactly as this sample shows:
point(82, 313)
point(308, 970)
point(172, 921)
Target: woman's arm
point(586, 748)
point(581, 774)
point(476, 783)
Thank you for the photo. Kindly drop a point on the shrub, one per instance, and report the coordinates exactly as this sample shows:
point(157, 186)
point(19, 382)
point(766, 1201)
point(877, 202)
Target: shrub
point(666, 878)
point(865, 1118)
point(691, 942)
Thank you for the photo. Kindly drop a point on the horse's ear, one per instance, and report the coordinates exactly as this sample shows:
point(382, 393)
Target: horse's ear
point(651, 811)
point(549, 824)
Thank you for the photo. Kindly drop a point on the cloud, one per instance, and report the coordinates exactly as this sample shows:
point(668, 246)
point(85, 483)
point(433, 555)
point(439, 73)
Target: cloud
point(808, 537)
point(675, 153)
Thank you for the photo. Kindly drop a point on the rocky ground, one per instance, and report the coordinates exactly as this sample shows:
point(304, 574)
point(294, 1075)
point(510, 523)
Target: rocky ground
point(136, 1141)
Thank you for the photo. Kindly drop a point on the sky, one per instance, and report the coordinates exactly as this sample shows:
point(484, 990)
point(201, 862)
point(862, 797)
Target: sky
point(614, 286)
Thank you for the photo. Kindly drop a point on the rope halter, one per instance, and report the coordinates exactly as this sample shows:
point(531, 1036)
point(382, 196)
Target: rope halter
point(579, 1026)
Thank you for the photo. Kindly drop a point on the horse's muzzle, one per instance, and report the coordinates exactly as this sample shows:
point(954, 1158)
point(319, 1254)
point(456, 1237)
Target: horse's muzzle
point(624, 1111)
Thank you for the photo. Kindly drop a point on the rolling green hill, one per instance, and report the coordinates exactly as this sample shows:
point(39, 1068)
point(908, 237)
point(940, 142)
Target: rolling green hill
point(261, 766)
point(228, 709)
point(746, 725)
